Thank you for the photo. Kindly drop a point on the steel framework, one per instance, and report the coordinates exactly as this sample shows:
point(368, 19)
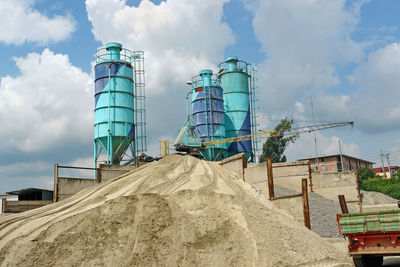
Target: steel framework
point(140, 102)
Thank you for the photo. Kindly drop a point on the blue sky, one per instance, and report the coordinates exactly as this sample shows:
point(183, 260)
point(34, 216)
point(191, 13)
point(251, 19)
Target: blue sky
point(345, 54)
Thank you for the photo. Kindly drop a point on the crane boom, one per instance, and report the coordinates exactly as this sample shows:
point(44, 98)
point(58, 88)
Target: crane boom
point(266, 133)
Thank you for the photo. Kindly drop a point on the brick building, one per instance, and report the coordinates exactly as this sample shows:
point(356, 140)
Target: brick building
point(393, 170)
point(333, 163)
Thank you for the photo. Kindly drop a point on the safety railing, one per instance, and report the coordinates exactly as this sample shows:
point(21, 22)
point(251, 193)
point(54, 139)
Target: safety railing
point(103, 55)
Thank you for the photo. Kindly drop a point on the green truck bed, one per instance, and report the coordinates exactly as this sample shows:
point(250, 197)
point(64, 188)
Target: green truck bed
point(363, 222)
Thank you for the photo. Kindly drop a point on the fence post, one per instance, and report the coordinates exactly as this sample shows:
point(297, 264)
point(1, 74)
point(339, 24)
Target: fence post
point(244, 165)
point(358, 191)
point(98, 175)
point(306, 208)
point(310, 176)
point(343, 205)
point(270, 179)
point(55, 192)
point(137, 162)
point(3, 205)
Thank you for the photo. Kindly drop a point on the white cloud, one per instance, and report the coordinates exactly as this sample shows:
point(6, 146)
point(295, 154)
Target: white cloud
point(373, 104)
point(20, 23)
point(50, 102)
point(304, 40)
point(305, 147)
point(179, 38)
point(377, 80)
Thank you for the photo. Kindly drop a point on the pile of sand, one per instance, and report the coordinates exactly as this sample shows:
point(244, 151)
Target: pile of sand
point(376, 198)
point(180, 211)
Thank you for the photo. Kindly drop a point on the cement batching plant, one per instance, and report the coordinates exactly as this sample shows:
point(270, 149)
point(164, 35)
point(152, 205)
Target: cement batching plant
point(219, 106)
point(120, 121)
point(222, 105)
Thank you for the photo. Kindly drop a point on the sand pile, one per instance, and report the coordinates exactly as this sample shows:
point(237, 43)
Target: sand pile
point(180, 211)
point(376, 198)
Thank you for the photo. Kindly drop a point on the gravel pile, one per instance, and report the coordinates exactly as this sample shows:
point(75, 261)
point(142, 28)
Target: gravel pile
point(322, 212)
point(376, 198)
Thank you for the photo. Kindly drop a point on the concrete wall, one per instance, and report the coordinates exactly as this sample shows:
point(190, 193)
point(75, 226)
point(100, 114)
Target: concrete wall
point(234, 163)
point(112, 171)
point(67, 187)
point(287, 175)
point(330, 185)
point(256, 175)
point(293, 206)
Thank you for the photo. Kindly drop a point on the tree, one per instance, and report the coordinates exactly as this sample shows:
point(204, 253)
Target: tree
point(365, 173)
point(275, 146)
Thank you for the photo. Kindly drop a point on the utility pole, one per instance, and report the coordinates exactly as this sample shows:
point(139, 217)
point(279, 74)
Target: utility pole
point(341, 155)
point(383, 165)
point(387, 157)
point(315, 136)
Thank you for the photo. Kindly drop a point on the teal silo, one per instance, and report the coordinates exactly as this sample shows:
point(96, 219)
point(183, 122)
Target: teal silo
point(208, 112)
point(114, 129)
point(235, 84)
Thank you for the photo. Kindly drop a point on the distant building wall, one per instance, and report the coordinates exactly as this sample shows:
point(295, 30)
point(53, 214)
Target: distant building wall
point(6, 198)
point(333, 163)
point(10, 206)
point(393, 170)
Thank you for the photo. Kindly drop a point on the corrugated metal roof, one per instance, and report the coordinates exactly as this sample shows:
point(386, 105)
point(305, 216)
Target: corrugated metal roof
point(27, 190)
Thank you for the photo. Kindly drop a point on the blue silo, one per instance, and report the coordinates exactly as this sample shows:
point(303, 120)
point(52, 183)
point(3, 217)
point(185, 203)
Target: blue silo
point(235, 85)
point(208, 112)
point(114, 129)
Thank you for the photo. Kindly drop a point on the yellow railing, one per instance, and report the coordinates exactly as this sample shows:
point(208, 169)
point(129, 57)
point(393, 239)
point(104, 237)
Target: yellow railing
point(164, 147)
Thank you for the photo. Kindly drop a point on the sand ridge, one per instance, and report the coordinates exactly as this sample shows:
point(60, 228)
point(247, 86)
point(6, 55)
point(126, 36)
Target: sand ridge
point(180, 211)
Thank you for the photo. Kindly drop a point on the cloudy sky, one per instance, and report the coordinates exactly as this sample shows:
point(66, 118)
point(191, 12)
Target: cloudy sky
point(343, 54)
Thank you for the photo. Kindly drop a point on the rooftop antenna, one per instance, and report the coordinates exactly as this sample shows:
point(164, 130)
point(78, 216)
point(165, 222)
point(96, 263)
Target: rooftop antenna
point(315, 136)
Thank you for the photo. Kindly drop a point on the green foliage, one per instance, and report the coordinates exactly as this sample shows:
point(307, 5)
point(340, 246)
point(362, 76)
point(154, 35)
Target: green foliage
point(397, 174)
point(365, 173)
point(275, 147)
point(390, 187)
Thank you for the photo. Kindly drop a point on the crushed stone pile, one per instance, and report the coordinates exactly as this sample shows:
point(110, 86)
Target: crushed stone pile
point(376, 198)
point(180, 211)
point(323, 213)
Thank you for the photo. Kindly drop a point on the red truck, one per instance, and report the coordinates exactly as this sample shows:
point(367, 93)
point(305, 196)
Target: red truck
point(371, 235)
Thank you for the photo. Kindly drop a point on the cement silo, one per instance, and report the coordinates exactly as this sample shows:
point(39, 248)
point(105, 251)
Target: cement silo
point(208, 112)
point(235, 81)
point(114, 129)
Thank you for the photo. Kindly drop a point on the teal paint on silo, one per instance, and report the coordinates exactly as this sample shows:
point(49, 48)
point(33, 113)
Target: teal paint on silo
point(208, 113)
point(235, 84)
point(114, 103)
